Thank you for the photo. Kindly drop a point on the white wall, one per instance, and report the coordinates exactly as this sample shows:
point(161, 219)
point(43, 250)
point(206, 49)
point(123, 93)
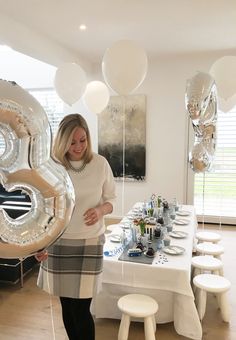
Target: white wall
point(24, 70)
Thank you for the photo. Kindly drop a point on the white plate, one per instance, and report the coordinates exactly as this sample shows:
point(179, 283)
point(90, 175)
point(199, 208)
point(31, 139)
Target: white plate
point(124, 224)
point(137, 210)
point(130, 218)
point(178, 234)
point(112, 227)
point(181, 221)
point(114, 238)
point(173, 250)
point(182, 213)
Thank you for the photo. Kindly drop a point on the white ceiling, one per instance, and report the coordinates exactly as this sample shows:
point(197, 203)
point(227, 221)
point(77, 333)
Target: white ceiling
point(159, 26)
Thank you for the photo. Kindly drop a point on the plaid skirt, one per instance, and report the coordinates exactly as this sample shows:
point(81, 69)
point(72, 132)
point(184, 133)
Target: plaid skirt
point(72, 268)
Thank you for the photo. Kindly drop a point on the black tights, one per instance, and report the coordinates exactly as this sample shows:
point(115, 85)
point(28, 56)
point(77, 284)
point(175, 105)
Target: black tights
point(77, 318)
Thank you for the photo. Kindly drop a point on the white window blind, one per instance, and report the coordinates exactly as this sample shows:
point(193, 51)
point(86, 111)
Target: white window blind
point(52, 105)
point(215, 191)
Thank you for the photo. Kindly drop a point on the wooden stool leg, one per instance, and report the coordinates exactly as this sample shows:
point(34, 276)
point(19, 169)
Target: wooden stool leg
point(196, 271)
point(154, 323)
point(218, 299)
point(224, 307)
point(21, 273)
point(201, 303)
point(221, 272)
point(148, 328)
point(124, 327)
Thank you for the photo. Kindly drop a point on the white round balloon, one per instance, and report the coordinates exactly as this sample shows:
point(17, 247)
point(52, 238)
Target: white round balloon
point(124, 66)
point(70, 82)
point(224, 73)
point(227, 105)
point(96, 96)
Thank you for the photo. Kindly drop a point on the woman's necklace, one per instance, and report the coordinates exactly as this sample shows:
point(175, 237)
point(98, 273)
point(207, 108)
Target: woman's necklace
point(77, 170)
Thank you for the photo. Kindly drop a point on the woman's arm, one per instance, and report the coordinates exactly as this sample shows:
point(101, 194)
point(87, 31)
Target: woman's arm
point(105, 208)
point(92, 215)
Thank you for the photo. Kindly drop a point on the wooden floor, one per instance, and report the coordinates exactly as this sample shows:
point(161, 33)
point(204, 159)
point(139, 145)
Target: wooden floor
point(30, 314)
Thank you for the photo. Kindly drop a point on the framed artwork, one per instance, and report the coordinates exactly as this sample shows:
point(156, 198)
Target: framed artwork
point(122, 136)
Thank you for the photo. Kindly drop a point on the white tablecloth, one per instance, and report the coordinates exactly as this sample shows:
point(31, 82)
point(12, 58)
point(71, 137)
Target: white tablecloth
point(167, 282)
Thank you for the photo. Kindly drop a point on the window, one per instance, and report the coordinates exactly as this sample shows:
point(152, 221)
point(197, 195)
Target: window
point(52, 105)
point(215, 191)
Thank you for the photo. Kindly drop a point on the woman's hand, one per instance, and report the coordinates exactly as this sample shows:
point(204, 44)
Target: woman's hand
point(41, 256)
point(92, 216)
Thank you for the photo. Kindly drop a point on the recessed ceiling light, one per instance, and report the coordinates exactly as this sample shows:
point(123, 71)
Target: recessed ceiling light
point(83, 27)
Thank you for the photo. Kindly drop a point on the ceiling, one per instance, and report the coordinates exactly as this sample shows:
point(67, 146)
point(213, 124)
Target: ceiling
point(161, 27)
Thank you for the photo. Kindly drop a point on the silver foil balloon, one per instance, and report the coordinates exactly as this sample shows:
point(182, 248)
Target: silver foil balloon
point(209, 117)
point(209, 138)
point(199, 158)
point(198, 94)
point(201, 104)
point(26, 165)
point(210, 113)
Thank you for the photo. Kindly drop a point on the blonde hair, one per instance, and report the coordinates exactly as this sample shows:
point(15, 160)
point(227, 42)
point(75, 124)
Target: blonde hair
point(64, 136)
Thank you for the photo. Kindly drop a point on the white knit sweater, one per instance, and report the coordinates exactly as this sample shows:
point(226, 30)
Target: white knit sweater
point(93, 186)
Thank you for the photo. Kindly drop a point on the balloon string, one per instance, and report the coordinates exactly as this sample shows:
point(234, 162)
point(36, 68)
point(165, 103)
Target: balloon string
point(123, 155)
point(186, 167)
point(221, 194)
point(203, 201)
point(123, 170)
point(51, 305)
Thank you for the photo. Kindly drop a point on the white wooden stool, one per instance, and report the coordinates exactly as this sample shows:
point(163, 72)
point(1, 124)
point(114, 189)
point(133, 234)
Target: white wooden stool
point(138, 306)
point(207, 236)
point(205, 263)
point(208, 248)
point(215, 284)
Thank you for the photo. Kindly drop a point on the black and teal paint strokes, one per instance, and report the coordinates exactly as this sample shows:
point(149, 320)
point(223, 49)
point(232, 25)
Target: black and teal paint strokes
point(122, 136)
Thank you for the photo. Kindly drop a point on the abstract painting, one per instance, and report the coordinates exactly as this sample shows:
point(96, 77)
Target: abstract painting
point(122, 136)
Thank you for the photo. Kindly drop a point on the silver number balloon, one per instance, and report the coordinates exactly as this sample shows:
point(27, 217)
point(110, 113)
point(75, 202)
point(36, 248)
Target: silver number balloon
point(26, 165)
point(201, 104)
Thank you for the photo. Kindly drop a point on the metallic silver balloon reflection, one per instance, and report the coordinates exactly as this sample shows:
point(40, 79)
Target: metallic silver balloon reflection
point(199, 158)
point(26, 165)
point(199, 92)
point(201, 104)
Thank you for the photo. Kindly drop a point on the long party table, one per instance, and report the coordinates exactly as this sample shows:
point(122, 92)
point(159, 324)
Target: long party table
point(167, 279)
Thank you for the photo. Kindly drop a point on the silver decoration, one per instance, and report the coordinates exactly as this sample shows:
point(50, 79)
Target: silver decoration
point(201, 105)
point(26, 165)
point(199, 158)
point(198, 94)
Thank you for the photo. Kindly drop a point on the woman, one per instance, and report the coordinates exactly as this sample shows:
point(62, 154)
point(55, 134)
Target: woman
point(71, 266)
